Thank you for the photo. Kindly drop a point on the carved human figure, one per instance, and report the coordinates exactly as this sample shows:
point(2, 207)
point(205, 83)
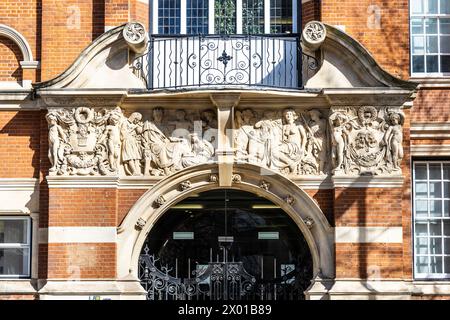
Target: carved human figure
point(248, 142)
point(317, 127)
point(131, 147)
point(209, 125)
point(338, 122)
point(201, 151)
point(165, 152)
point(112, 136)
point(269, 136)
point(182, 127)
point(393, 138)
point(56, 135)
point(291, 149)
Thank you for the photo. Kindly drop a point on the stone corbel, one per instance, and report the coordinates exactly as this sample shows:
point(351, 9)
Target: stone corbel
point(225, 104)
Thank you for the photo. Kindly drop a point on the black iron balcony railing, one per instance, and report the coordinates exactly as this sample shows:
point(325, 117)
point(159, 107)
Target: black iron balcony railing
point(224, 60)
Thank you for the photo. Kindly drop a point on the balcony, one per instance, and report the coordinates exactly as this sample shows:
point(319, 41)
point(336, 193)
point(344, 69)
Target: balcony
point(216, 61)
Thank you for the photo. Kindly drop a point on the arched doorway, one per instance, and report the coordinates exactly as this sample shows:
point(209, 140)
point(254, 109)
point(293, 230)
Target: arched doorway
point(225, 244)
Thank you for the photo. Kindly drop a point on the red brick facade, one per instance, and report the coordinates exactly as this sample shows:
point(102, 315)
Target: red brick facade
point(58, 31)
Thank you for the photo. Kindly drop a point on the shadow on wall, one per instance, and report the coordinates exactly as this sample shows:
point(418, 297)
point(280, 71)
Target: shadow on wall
point(10, 69)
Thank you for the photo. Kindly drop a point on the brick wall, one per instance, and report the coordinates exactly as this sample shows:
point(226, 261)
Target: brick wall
point(126, 199)
point(10, 56)
point(82, 260)
point(25, 17)
point(431, 105)
point(386, 40)
point(310, 11)
point(19, 144)
point(82, 207)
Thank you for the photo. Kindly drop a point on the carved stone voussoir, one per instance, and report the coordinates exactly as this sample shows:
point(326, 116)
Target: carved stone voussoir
point(290, 200)
point(237, 178)
point(140, 223)
point(185, 185)
point(159, 201)
point(264, 185)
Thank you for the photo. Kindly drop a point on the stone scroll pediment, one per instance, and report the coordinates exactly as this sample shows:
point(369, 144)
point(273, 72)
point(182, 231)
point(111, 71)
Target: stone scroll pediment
point(85, 141)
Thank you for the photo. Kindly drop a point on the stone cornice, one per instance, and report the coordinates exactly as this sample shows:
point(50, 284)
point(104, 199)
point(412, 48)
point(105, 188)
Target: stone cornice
point(367, 181)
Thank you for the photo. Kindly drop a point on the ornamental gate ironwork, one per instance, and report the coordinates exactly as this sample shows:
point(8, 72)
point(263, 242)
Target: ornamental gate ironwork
point(217, 280)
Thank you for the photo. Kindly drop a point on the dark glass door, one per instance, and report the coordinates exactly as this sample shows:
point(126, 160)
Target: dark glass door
point(230, 231)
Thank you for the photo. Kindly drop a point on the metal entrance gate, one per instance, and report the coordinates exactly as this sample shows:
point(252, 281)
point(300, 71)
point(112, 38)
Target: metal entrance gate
point(217, 280)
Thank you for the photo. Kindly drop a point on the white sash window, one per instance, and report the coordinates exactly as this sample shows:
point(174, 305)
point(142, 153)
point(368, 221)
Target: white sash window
point(430, 37)
point(174, 17)
point(15, 247)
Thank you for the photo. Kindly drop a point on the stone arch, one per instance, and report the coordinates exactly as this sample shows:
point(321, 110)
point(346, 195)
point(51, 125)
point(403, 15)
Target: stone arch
point(23, 44)
point(157, 200)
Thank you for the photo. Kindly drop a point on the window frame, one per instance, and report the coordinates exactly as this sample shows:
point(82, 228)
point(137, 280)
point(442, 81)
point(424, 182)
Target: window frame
point(424, 16)
point(154, 18)
point(429, 276)
point(27, 245)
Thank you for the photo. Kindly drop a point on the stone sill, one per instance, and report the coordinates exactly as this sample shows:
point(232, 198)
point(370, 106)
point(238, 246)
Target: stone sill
point(17, 286)
point(432, 81)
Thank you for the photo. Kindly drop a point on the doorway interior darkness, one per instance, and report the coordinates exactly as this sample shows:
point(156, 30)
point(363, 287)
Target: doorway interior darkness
point(225, 245)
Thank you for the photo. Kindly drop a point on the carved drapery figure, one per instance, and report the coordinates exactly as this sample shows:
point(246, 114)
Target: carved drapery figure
point(165, 153)
point(56, 138)
point(131, 144)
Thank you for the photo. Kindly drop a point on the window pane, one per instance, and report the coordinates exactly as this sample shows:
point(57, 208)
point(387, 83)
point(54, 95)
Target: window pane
point(436, 264)
point(432, 44)
point(418, 45)
point(225, 15)
point(421, 229)
point(253, 16)
point(418, 64)
point(14, 262)
point(421, 171)
point(432, 6)
point(431, 26)
point(446, 193)
point(444, 25)
point(435, 171)
point(421, 190)
point(421, 208)
point(421, 245)
point(436, 245)
point(447, 264)
point(197, 17)
point(445, 6)
point(446, 171)
point(417, 6)
point(435, 228)
point(445, 63)
point(280, 16)
point(169, 16)
point(432, 64)
point(447, 228)
point(417, 26)
point(446, 208)
point(445, 44)
point(13, 231)
point(422, 264)
point(435, 208)
point(435, 189)
point(447, 245)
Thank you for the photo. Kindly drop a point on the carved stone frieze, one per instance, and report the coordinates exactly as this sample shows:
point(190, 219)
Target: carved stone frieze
point(85, 141)
point(101, 141)
point(366, 140)
point(288, 141)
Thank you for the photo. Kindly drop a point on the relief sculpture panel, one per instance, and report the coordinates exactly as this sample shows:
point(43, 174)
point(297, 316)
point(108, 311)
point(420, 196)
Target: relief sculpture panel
point(88, 141)
point(288, 141)
point(348, 141)
point(158, 142)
